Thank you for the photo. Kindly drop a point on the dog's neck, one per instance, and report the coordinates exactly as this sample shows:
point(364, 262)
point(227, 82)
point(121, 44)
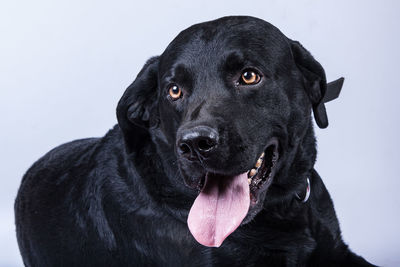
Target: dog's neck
point(290, 180)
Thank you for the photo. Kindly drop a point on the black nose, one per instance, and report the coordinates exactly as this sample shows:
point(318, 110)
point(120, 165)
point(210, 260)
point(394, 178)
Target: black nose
point(199, 141)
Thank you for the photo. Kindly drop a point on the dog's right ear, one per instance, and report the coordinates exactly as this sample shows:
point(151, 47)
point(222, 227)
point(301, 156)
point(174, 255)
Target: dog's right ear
point(134, 108)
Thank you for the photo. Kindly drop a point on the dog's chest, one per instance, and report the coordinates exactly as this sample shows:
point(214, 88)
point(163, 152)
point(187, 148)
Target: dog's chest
point(162, 241)
point(158, 240)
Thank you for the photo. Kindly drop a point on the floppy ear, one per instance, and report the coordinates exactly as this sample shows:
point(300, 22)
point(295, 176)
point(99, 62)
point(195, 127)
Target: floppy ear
point(317, 89)
point(134, 108)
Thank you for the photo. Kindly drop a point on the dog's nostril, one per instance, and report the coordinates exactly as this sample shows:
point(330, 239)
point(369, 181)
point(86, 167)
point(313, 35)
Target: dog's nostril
point(184, 148)
point(197, 142)
point(205, 144)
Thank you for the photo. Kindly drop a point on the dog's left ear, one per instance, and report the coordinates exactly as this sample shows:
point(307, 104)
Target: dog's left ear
point(317, 89)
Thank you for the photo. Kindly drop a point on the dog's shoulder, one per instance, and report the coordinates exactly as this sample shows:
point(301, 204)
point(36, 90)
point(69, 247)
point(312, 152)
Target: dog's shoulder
point(65, 190)
point(331, 250)
point(70, 169)
point(55, 164)
point(322, 215)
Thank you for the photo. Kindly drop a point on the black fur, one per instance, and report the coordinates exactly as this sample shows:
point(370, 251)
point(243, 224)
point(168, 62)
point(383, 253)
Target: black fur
point(123, 200)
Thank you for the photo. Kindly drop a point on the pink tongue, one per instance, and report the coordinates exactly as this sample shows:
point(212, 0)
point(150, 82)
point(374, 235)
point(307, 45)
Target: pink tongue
point(219, 209)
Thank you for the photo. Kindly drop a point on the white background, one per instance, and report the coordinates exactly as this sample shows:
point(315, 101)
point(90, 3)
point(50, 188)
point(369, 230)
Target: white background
point(65, 64)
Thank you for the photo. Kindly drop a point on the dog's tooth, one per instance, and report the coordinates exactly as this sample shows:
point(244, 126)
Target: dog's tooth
point(258, 163)
point(253, 172)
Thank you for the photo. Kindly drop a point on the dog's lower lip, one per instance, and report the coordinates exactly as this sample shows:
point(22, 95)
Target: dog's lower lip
point(260, 179)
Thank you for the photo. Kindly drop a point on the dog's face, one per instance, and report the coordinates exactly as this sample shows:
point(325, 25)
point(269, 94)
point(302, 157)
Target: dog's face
point(229, 101)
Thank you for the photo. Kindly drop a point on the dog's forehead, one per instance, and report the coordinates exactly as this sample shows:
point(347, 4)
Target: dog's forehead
point(240, 34)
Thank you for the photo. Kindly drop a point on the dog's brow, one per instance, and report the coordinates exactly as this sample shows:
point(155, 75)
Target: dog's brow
point(183, 76)
point(234, 61)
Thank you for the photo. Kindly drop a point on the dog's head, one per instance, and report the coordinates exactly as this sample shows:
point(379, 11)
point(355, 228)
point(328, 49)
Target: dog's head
point(230, 102)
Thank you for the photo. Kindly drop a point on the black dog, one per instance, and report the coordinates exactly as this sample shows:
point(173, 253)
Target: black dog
point(211, 164)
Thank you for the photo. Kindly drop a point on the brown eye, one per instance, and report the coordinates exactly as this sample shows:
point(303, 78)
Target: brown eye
point(249, 77)
point(175, 92)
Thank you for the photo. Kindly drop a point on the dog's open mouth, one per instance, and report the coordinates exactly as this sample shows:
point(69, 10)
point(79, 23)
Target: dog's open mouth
point(224, 201)
point(260, 176)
